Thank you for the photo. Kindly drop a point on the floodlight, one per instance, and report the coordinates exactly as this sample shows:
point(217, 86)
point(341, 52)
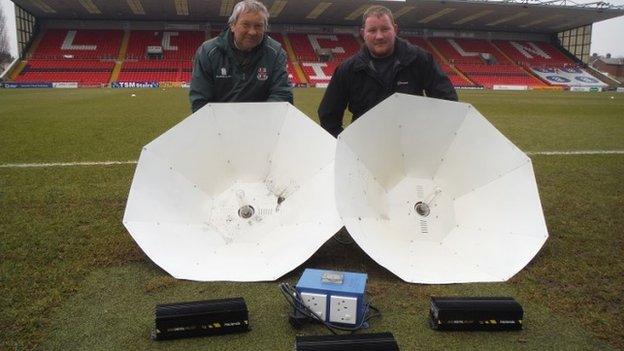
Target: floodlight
point(236, 191)
point(433, 192)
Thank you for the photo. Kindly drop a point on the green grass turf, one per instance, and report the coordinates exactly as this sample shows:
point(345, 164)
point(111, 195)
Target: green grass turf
point(72, 278)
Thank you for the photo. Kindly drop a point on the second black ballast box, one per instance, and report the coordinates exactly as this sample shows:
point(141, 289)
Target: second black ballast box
point(475, 313)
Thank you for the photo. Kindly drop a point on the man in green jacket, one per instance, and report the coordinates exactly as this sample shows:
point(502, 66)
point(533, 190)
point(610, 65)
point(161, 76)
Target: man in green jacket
point(242, 64)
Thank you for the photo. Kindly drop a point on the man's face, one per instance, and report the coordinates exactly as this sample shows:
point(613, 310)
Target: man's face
point(248, 30)
point(379, 34)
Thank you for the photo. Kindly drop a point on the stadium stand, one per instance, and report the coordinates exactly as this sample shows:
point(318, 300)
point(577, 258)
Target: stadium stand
point(490, 75)
point(307, 46)
point(319, 72)
point(423, 44)
point(156, 70)
point(69, 55)
point(476, 43)
point(456, 79)
point(78, 44)
point(533, 53)
point(292, 74)
point(81, 71)
point(176, 45)
point(480, 62)
point(468, 51)
point(175, 65)
point(86, 56)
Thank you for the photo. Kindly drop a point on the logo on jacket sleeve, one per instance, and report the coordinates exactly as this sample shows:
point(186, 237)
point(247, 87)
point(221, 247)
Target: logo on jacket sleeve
point(262, 73)
point(224, 73)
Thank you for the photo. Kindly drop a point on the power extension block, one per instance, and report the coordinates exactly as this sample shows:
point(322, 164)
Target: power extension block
point(335, 297)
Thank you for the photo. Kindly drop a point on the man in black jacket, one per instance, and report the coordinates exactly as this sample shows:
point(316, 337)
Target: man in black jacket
point(384, 66)
point(242, 64)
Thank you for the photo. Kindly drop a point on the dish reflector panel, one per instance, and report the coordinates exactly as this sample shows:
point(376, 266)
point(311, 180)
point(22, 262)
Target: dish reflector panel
point(434, 193)
point(236, 191)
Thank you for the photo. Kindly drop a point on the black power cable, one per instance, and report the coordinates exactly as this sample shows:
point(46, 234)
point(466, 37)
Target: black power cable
point(294, 299)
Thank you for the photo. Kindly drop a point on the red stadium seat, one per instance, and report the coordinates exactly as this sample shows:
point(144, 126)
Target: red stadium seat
point(490, 75)
point(80, 71)
point(533, 53)
point(306, 46)
point(456, 79)
point(176, 45)
point(459, 50)
point(156, 71)
point(179, 48)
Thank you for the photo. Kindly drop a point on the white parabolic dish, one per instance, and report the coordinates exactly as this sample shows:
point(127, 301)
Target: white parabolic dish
point(236, 191)
point(485, 220)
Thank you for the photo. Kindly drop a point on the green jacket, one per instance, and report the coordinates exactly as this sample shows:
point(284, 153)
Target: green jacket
point(217, 76)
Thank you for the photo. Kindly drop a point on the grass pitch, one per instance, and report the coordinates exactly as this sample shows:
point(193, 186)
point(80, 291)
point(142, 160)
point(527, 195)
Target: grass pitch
point(71, 277)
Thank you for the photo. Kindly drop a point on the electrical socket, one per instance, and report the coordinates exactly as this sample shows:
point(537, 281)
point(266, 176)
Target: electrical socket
point(316, 302)
point(343, 309)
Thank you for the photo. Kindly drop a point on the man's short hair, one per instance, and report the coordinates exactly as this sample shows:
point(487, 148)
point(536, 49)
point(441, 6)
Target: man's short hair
point(377, 11)
point(249, 6)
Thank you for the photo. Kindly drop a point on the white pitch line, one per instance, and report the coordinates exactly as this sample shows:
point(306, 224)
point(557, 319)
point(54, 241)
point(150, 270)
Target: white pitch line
point(65, 164)
point(581, 152)
point(110, 163)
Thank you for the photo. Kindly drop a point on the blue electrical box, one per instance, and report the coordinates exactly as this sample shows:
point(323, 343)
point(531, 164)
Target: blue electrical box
point(336, 297)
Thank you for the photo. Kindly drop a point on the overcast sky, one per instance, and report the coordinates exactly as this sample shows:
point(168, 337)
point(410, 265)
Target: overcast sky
point(606, 37)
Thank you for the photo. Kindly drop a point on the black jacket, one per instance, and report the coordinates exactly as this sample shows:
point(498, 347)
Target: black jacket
point(218, 77)
point(355, 83)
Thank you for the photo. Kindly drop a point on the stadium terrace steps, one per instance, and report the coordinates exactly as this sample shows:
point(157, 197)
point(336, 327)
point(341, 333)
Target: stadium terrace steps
point(122, 54)
point(18, 70)
point(123, 50)
point(426, 45)
point(295, 73)
point(457, 78)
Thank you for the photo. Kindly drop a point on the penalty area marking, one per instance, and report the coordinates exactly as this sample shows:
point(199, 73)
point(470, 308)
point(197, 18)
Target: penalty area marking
point(582, 152)
point(65, 164)
point(111, 163)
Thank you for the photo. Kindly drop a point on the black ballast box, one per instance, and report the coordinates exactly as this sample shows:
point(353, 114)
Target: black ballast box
point(475, 313)
point(201, 318)
point(355, 342)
